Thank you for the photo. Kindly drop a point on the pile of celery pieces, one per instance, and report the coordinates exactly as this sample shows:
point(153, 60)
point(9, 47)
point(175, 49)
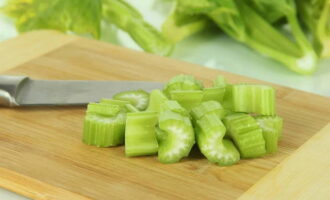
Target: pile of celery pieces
point(227, 122)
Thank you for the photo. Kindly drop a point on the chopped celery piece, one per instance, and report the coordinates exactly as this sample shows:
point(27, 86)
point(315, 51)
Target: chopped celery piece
point(214, 93)
point(179, 25)
point(140, 135)
point(124, 105)
point(104, 125)
point(130, 108)
point(173, 106)
point(101, 109)
point(272, 131)
point(208, 107)
point(160, 135)
point(247, 135)
point(217, 92)
point(138, 98)
point(176, 136)
point(210, 132)
point(227, 101)
point(220, 82)
point(251, 98)
point(187, 98)
point(182, 82)
point(130, 20)
point(157, 97)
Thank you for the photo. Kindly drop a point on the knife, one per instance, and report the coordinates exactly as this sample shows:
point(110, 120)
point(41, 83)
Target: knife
point(23, 91)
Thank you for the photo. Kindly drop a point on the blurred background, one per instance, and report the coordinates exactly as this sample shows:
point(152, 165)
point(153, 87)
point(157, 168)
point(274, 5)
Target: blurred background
point(216, 35)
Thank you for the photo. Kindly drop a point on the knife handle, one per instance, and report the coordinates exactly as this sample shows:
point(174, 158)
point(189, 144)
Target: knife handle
point(9, 89)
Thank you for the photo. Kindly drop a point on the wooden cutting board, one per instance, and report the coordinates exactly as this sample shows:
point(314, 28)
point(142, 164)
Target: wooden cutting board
point(42, 156)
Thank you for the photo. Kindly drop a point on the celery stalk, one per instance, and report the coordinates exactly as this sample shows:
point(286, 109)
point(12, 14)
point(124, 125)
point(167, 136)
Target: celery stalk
point(252, 98)
point(247, 135)
point(188, 98)
point(272, 131)
point(126, 106)
point(315, 14)
point(140, 135)
point(182, 82)
point(217, 91)
point(210, 132)
point(208, 107)
point(104, 125)
point(138, 98)
point(176, 136)
point(157, 97)
point(240, 21)
point(180, 25)
point(131, 21)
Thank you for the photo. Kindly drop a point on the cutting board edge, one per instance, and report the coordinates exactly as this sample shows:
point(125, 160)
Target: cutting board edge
point(33, 188)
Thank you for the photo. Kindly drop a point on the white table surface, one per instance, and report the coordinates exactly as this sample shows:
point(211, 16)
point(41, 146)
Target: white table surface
point(213, 50)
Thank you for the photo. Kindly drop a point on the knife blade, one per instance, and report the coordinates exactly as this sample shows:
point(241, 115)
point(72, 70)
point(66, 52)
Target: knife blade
point(23, 91)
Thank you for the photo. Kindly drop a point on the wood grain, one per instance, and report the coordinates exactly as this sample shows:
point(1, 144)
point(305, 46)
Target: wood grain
point(44, 143)
point(29, 46)
point(304, 175)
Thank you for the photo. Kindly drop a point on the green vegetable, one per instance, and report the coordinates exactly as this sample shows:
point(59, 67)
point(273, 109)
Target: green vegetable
point(179, 25)
point(138, 98)
point(104, 125)
point(157, 97)
point(182, 82)
point(315, 14)
point(210, 132)
point(247, 135)
point(79, 16)
point(130, 20)
point(272, 13)
point(217, 92)
point(187, 98)
point(240, 21)
point(252, 98)
point(220, 82)
point(85, 17)
point(140, 135)
point(227, 101)
point(126, 106)
point(272, 131)
point(173, 106)
point(206, 108)
point(177, 136)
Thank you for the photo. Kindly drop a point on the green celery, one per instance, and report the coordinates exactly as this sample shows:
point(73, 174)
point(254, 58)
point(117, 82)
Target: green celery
point(180, 25)
point(104, 125)
point(217, 91)
point(240, 21)
point(252, 98)
point(126, 106)
point(182, 82)
point(140, 135)
point(130, 20)
point(208, 107)
point(315, 14)
point(78, 16)
point(157, 97)
point(210, 132)
point(138, 98)
point(272, 131)
point(247, 135)
point(176, 136)
point(188, 98)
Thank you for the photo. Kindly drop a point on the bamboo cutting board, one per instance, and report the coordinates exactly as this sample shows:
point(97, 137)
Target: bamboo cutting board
point(42, 156)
